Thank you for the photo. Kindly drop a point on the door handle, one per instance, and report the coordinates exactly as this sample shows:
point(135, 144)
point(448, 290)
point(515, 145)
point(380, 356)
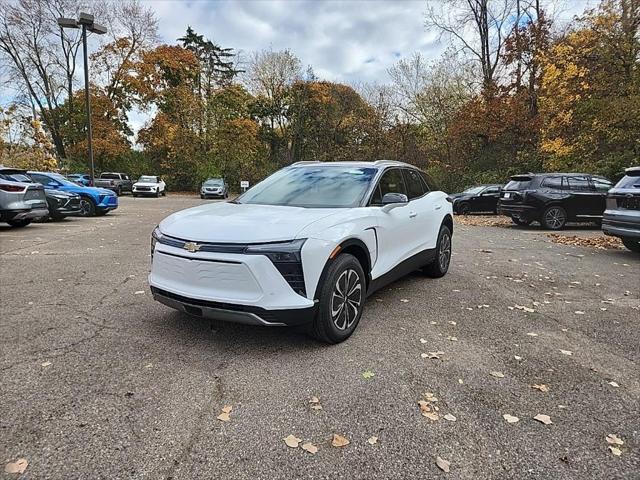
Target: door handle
point(438, 207)
point(412, 214)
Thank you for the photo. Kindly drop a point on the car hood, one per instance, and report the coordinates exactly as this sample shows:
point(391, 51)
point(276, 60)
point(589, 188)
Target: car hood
point(458, 195)
point(241, 223)
point(82, 189)
point(145, 184)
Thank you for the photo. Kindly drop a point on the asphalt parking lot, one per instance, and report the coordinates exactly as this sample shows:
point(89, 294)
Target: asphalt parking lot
point(100, 381)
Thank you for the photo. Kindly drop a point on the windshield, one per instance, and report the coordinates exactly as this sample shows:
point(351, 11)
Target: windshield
point(473, 190)
point(629, 181)
point(213, 182)
point(148, 179)
point(313, 187)
point(61, 179)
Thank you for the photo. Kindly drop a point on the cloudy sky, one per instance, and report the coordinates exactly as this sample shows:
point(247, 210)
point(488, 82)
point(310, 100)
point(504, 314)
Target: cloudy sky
point(348, 41)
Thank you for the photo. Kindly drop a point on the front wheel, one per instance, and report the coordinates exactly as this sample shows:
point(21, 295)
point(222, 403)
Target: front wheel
point(464, 209)
point(440, 264)
point(554, 218)
point(87, 207)
point(341, 302)
point(632, 244)
point(19, 223)
point(119, 191)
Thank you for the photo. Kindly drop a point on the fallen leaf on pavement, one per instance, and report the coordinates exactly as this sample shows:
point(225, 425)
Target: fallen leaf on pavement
point(450, 417)
point(453, 339)
point(224, 417)
point(613, 384)
point(372, 440)
point(45, 364)
point(443, 464)
point(517, 357)
point(616, 451)
point(404, 300)
point(339, 441)
point(540, 386)
point(292, 441)
point(139, 292)
point(546, 419)
point(431, 416)
point(497, 374)
point(19, 466)
point(422, 340)
point(309, 447)
point(613, 439)
point(531, 334)
point(227, 409)
point(510, 418)
point(368, 374)
point(579, 312)
point(314, 399)
point(566, 352)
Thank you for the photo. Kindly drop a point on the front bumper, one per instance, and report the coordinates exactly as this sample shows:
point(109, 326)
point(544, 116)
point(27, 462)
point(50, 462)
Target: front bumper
point(235, 313)
point(107, 202)
point(621, 223)
point(211, 194)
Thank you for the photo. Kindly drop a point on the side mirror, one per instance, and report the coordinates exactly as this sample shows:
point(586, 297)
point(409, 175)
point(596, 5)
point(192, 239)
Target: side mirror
point(393, 200)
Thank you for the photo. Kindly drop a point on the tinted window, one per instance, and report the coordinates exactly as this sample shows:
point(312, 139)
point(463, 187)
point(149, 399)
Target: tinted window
point(629, 181)
point(552, 182)
point(415, 187)
point(473, 190)
point(392, 182)
point(518, 183)
point(601, 184)
point(19, 177)
point(110, 176)
point(578, 183)
point(492, 190)
point(310, 186)
point(148, 179)
point(431, 185)
point(43, 179)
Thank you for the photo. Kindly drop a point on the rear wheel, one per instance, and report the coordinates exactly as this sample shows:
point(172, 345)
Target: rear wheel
point(522, 223)
point(632, 244)
point(201, 197)
point(57, 218)
point(119, 191)
point(554, 218)
point(464, 209)
point(440, 265)
point(341, 302)
point(19, 223)
point(87, 207)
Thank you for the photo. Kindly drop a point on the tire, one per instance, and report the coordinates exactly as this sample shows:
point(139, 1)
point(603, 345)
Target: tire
point(554, 218)
point(226, 195)
point(87, 207)
point(134, 195)
point(101, 213)
point(201, 197)
point(440, 265)
point(464, 209)
point(57, 218)
point(119, 191)
point(632, 244)
point(164, 193)
point(522, 223)
point(334, 324)
point(19, 223)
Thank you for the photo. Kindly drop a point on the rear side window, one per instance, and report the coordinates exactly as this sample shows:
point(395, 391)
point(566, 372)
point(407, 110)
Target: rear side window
point(110, 176)
point(415, 187)
point(552, 182)
point(43, 179)
point(492, 190)
point(629, 181)
point(580, 184)
point(518, 183)
point(390, 182)
point(429, 182)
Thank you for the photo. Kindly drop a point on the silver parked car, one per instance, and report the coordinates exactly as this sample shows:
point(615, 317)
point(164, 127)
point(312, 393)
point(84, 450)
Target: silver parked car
point(21, 202)
point(214, 187)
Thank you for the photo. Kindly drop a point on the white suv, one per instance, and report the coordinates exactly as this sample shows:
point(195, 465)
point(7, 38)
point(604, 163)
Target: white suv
point(305, 246)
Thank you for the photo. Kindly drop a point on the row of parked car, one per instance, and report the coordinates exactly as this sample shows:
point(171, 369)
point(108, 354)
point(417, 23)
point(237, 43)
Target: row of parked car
point(553, 199)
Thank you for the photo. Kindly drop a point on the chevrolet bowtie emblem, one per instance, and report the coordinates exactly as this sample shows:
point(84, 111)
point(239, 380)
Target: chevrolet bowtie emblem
point(192, 247)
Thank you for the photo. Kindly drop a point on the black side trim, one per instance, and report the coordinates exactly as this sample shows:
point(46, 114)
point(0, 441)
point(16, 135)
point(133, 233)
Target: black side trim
point(198, 259)
point(405, 267)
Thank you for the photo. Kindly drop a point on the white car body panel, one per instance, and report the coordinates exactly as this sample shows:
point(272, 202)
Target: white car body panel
point(155, 186)
point(390, 236)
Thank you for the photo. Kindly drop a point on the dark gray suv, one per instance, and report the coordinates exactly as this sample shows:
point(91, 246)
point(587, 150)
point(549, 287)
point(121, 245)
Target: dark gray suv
point(622, 216)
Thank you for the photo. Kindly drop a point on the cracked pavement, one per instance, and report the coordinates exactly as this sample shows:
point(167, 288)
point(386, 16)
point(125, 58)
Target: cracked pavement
point(134, 388)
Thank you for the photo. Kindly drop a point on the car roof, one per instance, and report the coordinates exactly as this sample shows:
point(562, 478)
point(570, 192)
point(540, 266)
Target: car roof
point(632, 170)
point(356, 163)
point(554, 174)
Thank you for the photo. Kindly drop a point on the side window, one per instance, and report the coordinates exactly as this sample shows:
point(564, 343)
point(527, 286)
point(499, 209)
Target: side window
point(580, 184)
point(601, 184)
point(552, 182)
point(390, 182)
point(428, 181)
point(491, 190)
point(415, 187)
point(43, 179)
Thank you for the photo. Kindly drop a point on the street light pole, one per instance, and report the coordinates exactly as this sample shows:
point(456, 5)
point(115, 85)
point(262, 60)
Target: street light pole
point(87, 23)
point(87, 102)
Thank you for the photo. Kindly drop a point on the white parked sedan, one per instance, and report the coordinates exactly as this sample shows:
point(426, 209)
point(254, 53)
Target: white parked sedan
point(305, 246)
point(149, 185)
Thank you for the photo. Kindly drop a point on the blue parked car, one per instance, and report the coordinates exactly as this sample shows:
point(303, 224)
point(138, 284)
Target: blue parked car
point(93, 201)
point(81, 178)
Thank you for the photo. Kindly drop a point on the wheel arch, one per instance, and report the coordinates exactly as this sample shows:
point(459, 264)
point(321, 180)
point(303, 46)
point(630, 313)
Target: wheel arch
point(448, 221)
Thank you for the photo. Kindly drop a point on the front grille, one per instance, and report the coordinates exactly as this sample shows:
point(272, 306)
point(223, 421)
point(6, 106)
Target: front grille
point(629, 203)
point(143, 189)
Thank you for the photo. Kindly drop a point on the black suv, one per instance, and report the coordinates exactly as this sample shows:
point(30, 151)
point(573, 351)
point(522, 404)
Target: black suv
point(553, 199)
point(622, 216)
point(481, 198)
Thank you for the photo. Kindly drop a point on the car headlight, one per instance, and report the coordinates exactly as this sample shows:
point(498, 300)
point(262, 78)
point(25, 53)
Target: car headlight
point(156, 235)
point(287, 258)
